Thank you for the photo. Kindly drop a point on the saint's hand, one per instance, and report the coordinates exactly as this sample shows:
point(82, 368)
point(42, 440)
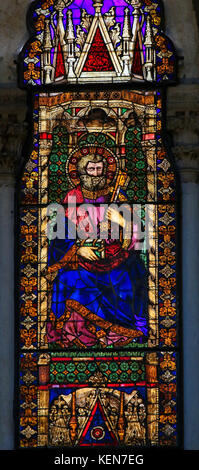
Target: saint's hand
point(115, 216)
point(88, 252)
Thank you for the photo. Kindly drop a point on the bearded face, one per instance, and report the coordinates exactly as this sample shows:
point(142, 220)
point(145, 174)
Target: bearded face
point(92, 171)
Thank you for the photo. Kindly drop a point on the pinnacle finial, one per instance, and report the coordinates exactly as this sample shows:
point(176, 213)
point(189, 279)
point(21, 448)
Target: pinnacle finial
point(98, 4)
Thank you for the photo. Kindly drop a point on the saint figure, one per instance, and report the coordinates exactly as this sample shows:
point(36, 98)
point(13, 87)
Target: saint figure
point(99, 287)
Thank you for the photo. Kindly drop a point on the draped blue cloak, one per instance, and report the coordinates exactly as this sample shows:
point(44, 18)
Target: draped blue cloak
point(118, 295)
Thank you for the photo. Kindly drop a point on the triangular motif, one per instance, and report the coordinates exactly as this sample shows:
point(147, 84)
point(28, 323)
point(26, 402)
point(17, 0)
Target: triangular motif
point(98, 59)
point(137, 63)
point(97, 432)
point(60, 69)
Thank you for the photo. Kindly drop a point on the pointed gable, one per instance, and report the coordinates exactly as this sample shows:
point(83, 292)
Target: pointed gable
point(98, 430)
point(98, 53)
point(98, 58)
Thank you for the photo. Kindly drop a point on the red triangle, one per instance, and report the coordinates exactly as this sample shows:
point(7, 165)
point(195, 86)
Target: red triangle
point(98, 59)
point(110, 436)
point(137, 63)
point(60, 69)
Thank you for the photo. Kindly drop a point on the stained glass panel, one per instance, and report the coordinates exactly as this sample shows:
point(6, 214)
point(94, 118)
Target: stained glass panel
point(97, 399)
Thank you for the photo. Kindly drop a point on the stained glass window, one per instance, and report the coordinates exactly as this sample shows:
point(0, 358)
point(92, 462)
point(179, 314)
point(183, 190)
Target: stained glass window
point(98, 342)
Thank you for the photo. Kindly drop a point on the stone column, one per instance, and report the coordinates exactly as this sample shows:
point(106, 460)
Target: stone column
point(7, 185)
point(189, 171)
point(9, 149)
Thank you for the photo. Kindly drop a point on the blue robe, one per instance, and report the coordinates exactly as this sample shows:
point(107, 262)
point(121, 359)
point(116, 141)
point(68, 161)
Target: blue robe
point(118, 295)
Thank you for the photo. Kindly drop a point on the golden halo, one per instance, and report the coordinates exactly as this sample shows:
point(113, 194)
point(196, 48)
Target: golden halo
point(111, 158)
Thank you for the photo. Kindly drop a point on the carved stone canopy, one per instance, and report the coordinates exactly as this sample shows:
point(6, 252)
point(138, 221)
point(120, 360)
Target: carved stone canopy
point(12, 137)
